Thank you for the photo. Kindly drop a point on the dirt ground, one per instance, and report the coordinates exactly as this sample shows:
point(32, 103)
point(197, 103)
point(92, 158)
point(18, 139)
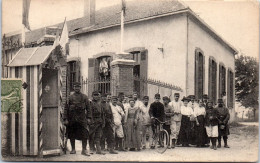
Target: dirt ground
point(243, 142)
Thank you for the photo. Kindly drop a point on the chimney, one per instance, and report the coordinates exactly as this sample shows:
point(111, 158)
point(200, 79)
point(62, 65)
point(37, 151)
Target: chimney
point(89, 11)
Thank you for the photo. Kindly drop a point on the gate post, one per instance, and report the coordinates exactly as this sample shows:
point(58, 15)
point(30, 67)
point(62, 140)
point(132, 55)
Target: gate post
point(122, 74)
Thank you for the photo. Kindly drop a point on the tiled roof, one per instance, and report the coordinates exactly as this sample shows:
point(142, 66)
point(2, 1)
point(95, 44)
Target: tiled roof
point(111, 15)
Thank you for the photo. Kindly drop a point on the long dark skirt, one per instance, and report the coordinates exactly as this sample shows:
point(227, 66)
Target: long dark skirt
point(201, 135)
point(185, 130)
point(192, 138)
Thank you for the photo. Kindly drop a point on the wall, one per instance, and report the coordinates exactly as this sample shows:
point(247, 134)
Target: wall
point(199, 38)
point(168, 33)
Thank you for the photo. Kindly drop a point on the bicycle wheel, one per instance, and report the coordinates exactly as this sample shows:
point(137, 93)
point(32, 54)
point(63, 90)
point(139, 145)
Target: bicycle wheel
point(163, 141)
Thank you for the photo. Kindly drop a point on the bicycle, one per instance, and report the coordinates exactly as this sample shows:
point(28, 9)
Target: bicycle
point(160, 139)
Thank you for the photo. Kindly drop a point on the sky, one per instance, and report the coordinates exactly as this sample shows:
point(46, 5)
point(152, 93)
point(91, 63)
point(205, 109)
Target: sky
point(237, 21)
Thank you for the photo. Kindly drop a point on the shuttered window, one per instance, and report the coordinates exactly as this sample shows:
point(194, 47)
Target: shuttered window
point(73, 73)
point(222, 80)
point(212, 85)
point(199, 75)
point(230, 89)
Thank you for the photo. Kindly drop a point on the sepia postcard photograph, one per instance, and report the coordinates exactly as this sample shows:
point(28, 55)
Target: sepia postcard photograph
point(130, 80)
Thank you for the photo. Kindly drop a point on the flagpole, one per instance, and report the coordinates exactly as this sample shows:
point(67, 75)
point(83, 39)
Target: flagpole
point(23, 35)
point(122, 31)
point(63, 25)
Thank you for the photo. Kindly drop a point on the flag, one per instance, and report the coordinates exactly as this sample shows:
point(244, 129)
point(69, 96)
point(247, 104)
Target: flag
point(64, 38)
point(56, 41)
point(123, 6)
point(26, 7)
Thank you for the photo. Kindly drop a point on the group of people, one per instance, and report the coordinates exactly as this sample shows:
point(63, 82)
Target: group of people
point(122, 123)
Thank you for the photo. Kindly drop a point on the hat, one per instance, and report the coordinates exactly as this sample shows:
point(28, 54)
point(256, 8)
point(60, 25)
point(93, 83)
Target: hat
point(130, 96)
point(77, 84)
point(210, 101)
point(166, 98)
point(146, 98)
point(121, 94)
point(220, 100)
point(131, 99)
point(191, 96)
point(157, 95)
point(177, 94)
point(114, 97)
point(185, 99)
point(205, 96)
point(104, 95)
point(95, 93)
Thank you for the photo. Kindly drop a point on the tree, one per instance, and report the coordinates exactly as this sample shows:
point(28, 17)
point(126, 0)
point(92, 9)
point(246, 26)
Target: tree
point(246, 81)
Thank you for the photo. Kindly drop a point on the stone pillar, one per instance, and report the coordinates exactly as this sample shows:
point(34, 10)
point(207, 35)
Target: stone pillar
point(122, 74)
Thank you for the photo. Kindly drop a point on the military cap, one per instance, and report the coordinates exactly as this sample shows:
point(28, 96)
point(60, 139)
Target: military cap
point(177, 94)
point(185, 99)
point(210, 101)
point(166, 98)
point(95, 93)
point(103, 95)
point(77, 84)
point(191, 96)
point(157, 95)
point(220, 100)
point(131, 99)
point(114, 97)
point(205, 96)
point(121, 94)
point(146, 97)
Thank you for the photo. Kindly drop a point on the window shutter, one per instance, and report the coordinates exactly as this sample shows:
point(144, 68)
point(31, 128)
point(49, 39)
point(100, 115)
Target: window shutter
point(91, 77)
point(144, 71)
point(78, 65)
point(196, 75)
point(220, 82)
point(210, 80)
point(228, 89)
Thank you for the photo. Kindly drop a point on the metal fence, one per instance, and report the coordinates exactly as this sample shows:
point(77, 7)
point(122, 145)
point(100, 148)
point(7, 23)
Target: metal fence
point(101, 85)
point(143, 86)
point(147, 86)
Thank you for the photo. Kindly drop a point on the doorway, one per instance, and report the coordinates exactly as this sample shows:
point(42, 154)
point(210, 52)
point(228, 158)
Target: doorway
point(50, 101)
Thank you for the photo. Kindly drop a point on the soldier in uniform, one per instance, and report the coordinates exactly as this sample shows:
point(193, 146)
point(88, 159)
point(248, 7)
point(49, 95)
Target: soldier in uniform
point(98, 121)
point(168, 116)
point(77, 116)
point(108, 132)
point(223, 118)
point(176, 118)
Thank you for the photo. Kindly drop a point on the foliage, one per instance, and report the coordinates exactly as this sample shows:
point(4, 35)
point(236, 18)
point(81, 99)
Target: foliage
point(246, 81)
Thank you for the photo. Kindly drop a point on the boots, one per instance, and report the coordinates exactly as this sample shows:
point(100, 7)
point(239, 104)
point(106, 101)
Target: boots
point(99, 148)
point(120, 143)
point(112, 151)
point(225, 142)
point(214, 143)
point(84, 148)
point(219, 142)
point(72, 142)
point(173, 143)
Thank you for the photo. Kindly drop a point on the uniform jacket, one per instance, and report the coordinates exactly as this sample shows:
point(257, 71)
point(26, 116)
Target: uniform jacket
point(157, 110)
point(77, 109)
point(211, 113)
point(223, 115)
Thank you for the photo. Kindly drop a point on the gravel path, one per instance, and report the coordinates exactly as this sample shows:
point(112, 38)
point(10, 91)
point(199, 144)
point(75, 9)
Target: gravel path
point(243, 141)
